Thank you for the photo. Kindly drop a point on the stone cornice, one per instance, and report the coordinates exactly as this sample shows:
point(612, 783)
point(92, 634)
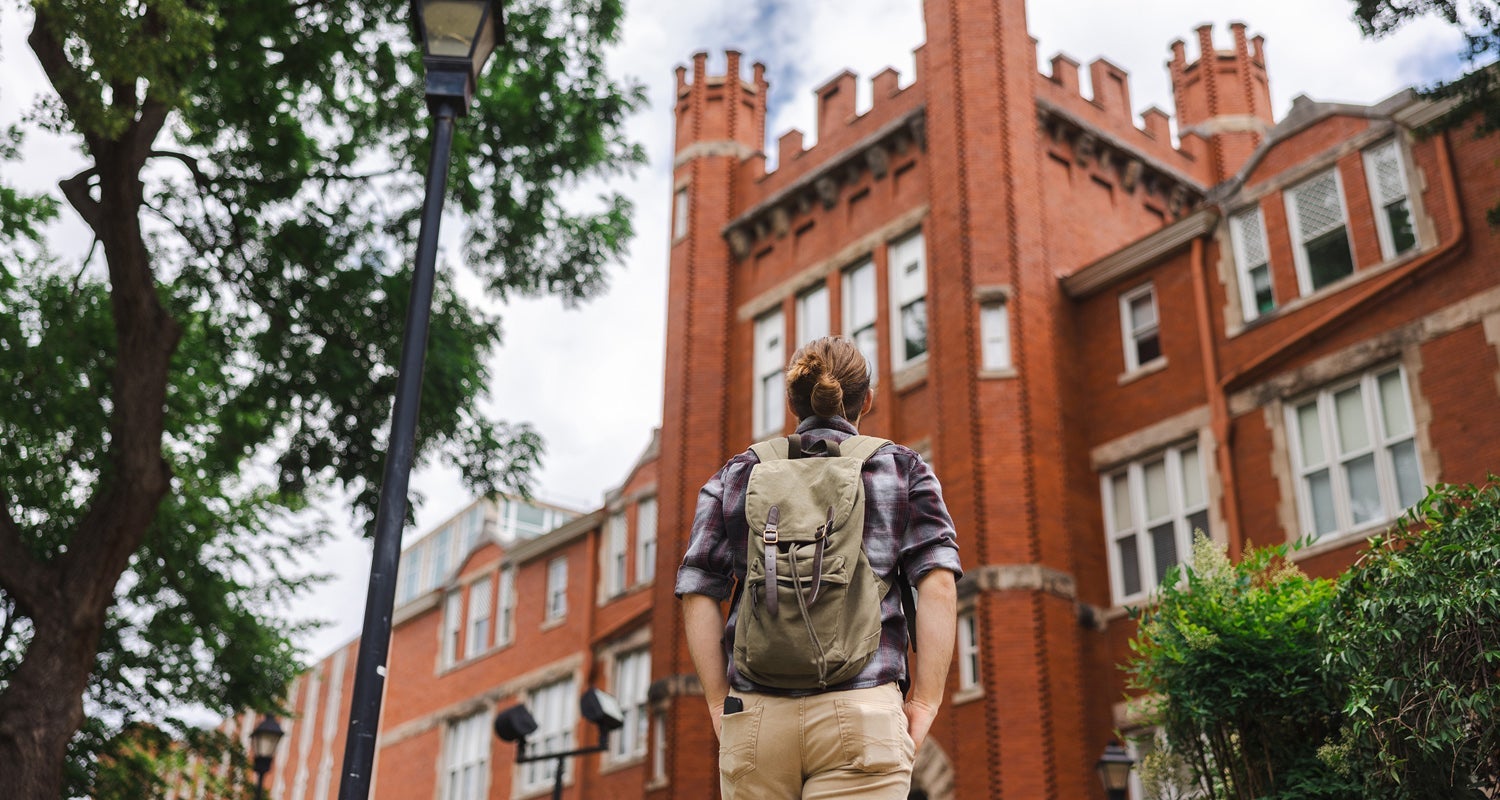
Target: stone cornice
point(714, 147)
point(1139, 254)
point(1050, 111)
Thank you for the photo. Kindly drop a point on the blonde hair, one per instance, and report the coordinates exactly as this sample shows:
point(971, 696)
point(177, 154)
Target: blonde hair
point(828, 378)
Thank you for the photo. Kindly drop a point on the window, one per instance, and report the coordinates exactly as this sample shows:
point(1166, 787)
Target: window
point(812, 315)
point(859, 313)
point(616, 554)
point(968, 651)
point(994, 332)
point(1356, 453)
point(631, 680)
point(478, 639)
point(908, 260)
point(453, 623)
point(680, 214)
point(658, 748)
point(466, 758)
point(411, 575)
point(553, 706)
point(770, 364)
point(505, 621)
point(1151, 508)
point(1388, 194)
point(557, 588)
point(645, 540)
point(1142, 336)
point(473, 523)
point(441, 556)
point(1315, 213)
point(1247, 232)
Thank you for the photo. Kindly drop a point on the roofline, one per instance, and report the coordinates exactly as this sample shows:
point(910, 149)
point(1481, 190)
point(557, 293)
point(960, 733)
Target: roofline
point(532, 549)
point(1138, 255)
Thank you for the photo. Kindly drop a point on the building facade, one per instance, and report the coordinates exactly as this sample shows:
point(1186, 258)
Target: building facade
point(1101, 337)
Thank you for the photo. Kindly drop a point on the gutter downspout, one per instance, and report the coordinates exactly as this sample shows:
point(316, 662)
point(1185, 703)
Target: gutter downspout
point(1379, 287)
point(1218, 399)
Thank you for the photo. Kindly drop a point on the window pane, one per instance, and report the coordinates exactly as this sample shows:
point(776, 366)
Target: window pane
point(1320, 489)
point(1198, 522)
point(1147, 348)
point(1354, 431)
point(1260, 284)
point(1364, 489)
point(859, 296)
point(1329, 258)
point(1143, 311)
point(994, 331)
point(812, 315)
point(914, 328)
point(1310, 435)
point(1119, 489)
point(1157, 506)
point(773, 407)
point(1393, 406)
point(1408, 474)
point(1192, 479)
point(865, 339)
point(1319, 209)
point(1164, 548)
point(1130, 565)
point(1403, 233)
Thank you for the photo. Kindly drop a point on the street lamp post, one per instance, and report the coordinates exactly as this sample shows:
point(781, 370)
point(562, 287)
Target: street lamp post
point(1114, 770)
point(457, 37)
point(516, 723)
point(263, 741)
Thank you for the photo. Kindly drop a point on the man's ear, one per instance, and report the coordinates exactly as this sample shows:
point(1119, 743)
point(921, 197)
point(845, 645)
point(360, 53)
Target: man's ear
point(864, 408)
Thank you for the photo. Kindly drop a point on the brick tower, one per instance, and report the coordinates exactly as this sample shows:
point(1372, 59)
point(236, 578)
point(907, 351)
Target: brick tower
point(1223, 97)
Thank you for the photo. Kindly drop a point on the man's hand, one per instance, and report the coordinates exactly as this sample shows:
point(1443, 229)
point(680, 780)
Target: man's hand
point(919, 717)
point(716, 713)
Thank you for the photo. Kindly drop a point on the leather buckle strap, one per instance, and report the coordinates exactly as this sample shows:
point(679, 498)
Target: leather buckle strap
point(770, 537)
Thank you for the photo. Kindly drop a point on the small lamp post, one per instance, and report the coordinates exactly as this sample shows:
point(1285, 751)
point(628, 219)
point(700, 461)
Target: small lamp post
point(263, 741)
point(514, 724)
point(457, 38)
point(1114, 770)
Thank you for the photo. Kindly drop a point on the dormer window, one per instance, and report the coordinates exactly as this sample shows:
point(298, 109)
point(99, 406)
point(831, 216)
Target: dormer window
point(1320, 231)
point(1247, 229)
point(1391, 199)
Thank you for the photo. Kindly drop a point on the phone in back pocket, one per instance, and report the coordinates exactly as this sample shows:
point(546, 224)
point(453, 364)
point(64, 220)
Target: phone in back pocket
point(733, 705)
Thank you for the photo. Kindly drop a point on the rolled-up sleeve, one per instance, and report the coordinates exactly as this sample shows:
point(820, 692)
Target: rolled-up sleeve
point(708, 566)
point(930, 542)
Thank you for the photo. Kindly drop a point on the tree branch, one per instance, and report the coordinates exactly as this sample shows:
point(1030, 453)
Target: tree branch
point(64, 77)
point(199, 179)
point(22, 576)
point(76, 189)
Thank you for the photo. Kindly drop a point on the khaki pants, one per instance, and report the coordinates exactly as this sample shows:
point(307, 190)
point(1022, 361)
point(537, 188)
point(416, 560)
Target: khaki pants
point(833, 745)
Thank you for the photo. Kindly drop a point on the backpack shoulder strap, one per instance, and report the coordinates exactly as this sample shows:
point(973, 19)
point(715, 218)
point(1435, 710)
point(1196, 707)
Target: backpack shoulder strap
point(770, 450)
point(861, 447)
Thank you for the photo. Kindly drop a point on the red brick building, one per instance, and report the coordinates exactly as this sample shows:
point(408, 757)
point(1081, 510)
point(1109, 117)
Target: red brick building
point(1102, 340)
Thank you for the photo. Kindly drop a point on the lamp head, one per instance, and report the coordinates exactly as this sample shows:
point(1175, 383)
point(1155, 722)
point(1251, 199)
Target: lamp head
point(457, 37)
point(514, 724)
point(1114, 767)
point(602, 709)
point(263, 741)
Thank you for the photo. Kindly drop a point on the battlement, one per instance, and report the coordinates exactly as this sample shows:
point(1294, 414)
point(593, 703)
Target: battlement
point(717, 116)
point(1224, 96)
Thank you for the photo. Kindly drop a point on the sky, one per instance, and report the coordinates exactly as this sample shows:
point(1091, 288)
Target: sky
point(589, 378)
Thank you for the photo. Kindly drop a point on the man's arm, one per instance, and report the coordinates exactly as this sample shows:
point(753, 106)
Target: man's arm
point(704, 622)
point(937, 624)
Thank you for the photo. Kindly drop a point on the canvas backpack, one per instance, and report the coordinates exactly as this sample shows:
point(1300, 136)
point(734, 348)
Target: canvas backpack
point(809, 608)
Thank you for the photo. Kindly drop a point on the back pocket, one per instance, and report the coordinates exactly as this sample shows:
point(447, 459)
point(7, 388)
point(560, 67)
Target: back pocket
point(738, 739)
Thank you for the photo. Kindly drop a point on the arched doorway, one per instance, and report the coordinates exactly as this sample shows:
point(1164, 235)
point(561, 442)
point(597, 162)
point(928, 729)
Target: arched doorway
point(932, 775)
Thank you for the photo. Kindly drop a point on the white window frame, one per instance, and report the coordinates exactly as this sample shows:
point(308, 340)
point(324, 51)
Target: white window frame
point(645, 539)
point(505, 616)
point(453, 625)
point(680, 214)
point(631, 679)
point(1179, 512)
point(1132, 336)
point(1294, 230)
point(616, 555)
point(466, 758)
point(907, 260)
point(1381, 443)
point(770, 371)
point(557, 589)
point(1249, 308)
point(968, 650)
point(1378, 204)
point(994, 335)
point(410, 584)
point(813, 319)
point(477, 636)
point(554, 706)
point(861, 328)
point(440, 556)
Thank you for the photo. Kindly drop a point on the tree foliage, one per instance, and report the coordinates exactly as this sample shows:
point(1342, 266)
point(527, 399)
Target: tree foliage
point(1231, 658)
point(1415, 634)
point(171, 411)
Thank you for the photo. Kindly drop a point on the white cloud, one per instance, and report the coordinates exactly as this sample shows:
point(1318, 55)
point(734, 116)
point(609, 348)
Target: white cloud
point(590, 378)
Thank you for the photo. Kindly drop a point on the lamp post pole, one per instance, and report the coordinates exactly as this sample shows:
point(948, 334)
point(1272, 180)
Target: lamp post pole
point(457, 37)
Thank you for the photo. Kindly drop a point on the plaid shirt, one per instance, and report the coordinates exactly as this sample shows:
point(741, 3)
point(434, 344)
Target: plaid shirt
point(905, 520)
